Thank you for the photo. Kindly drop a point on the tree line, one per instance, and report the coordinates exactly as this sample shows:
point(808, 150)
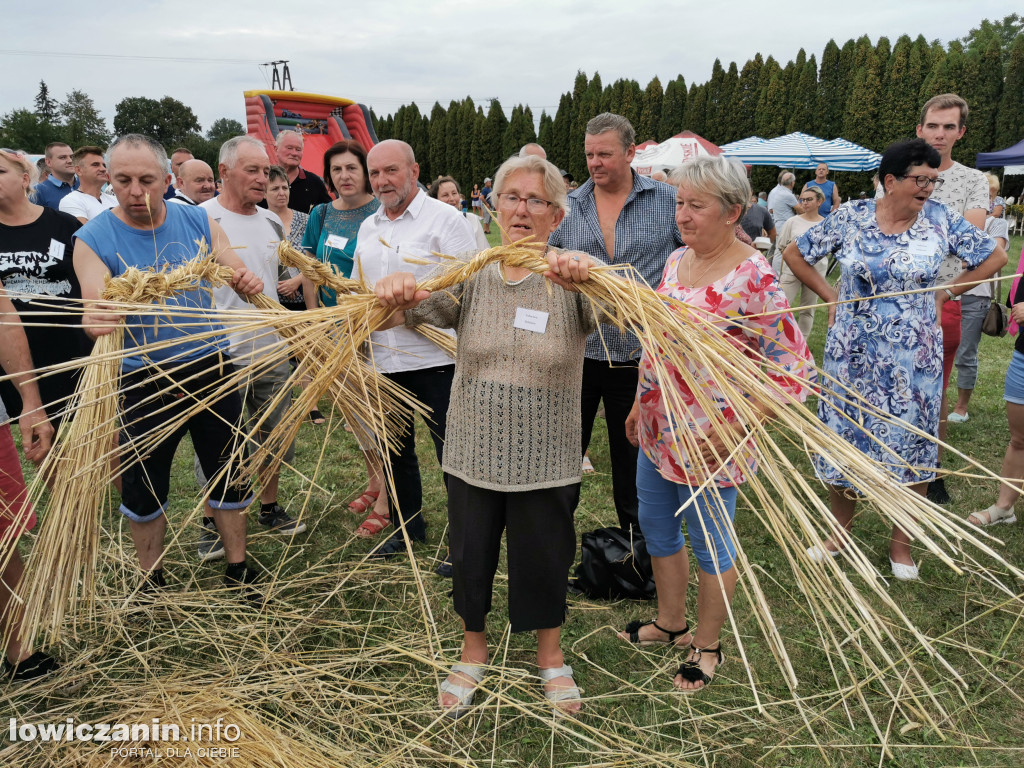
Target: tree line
point(76, 122)
point(868, 93)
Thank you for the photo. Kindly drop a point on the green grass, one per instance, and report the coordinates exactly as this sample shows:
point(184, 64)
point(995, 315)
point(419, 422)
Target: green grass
point(334, 613)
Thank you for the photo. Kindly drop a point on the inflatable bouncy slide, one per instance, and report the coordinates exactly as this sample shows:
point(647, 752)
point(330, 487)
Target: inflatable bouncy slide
point(322, 120)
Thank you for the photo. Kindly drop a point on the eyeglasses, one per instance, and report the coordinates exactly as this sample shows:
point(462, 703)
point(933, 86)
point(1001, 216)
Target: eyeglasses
point(808, 199)
point(924, 181)
point(533, 204)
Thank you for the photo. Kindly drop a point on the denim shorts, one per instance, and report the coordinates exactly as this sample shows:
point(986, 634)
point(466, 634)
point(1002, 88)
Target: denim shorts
point(1013, 392)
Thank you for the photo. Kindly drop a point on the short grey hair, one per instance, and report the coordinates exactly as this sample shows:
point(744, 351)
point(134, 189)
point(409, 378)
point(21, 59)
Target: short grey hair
point(283, 134)
point(724, 178)
point(608, 121)
point(785, 177)
point(137, 141)
point(554, 187)
point(229, 149)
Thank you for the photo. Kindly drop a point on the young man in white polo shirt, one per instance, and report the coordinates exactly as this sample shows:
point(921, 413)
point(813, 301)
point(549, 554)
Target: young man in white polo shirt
point(89, 200)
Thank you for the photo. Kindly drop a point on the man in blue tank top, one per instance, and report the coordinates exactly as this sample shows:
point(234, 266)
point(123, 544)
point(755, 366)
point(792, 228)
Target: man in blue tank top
point(159, 384)
point(828, 189)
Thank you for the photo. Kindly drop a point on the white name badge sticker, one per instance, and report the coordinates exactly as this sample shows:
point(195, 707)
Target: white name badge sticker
point(337, 241)
point(56, 249)
point(921, 248)
point(531, 320)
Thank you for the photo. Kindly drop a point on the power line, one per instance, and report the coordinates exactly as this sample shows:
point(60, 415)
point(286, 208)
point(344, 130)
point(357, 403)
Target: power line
point(193, 60)
point(180, 59)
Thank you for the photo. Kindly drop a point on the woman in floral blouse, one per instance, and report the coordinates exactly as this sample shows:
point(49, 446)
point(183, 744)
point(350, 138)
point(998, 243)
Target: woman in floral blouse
point(883, 354)
point(730, 285)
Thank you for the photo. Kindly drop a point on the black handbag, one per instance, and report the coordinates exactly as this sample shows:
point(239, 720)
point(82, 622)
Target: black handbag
point(614, 564)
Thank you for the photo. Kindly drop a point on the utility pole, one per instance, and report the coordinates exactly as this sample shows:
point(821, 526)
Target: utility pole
point(280, 81)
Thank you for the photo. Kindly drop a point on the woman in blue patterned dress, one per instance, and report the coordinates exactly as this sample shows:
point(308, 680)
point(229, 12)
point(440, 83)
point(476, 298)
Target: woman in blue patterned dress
point(886, 351)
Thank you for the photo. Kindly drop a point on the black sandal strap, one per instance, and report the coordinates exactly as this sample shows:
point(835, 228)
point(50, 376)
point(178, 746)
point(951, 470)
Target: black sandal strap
point(634, 627)
point(672, 635)
point(717, 650)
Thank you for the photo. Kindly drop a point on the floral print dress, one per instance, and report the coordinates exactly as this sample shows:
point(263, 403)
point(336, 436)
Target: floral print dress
point(886, 352)
point(744, 306)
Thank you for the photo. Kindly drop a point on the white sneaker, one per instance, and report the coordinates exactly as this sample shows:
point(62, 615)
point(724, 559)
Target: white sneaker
point(956, 418)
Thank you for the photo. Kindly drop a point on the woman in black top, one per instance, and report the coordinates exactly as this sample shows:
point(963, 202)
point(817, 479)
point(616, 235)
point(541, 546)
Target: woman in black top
point(36, 244)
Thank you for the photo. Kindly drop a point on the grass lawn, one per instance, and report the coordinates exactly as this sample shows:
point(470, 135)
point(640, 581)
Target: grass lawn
point(342, 669)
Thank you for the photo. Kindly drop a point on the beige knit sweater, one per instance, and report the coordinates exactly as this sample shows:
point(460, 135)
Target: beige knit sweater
point(514, 415)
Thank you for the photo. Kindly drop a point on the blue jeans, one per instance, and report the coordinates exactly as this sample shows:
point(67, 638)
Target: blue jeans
point(659, 501)
point(432, 387)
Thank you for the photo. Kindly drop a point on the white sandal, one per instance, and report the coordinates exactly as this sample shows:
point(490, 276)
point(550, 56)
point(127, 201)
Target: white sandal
point(992, 516)
point(904, 572)
point(464, 693)
point(818, 551)
point(562, 693)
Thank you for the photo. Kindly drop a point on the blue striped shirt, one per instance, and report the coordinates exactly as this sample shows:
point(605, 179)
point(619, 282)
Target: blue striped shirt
point(645, 236)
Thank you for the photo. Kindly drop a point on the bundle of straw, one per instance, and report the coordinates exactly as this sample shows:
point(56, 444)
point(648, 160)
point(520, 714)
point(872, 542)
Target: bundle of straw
point(679, 339)
point(682, 341)
point(61, 569)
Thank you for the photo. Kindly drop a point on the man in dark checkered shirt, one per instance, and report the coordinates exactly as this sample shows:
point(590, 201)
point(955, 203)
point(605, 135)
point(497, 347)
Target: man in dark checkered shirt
point(619, 217)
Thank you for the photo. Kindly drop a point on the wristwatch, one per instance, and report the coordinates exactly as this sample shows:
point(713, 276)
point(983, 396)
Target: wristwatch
point(952, 296)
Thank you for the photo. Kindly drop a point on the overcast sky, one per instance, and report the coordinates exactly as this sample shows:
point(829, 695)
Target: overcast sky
point(388, 53)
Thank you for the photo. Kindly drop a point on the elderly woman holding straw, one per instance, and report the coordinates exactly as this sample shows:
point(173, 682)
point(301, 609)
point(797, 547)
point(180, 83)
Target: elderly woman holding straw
point(688, 421)
point(883, 352)
point(512, 450)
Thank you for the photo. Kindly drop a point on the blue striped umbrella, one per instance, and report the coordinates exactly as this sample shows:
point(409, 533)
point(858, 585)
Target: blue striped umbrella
point(743, 144)
point(798, 150)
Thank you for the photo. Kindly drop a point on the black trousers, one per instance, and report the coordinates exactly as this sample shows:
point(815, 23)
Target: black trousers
point(615, 383)
point(149, 402)
point(541, 541)
point(432, 387)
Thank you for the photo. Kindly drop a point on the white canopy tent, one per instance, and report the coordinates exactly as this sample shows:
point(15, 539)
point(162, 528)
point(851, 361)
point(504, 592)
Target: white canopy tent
point(672, 152)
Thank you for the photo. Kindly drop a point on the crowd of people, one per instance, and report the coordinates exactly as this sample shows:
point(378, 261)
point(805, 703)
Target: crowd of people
point(512, 413)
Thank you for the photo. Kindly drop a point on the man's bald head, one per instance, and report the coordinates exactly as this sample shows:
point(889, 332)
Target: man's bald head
point(393, 173)
point(390, 147)
point(533, 149)
point(195, 180)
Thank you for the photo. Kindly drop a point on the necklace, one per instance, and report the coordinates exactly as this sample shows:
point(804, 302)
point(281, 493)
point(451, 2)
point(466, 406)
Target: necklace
point(689, 265)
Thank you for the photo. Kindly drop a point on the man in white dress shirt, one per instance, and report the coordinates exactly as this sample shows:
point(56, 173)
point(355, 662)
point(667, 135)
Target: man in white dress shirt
point(413, 225)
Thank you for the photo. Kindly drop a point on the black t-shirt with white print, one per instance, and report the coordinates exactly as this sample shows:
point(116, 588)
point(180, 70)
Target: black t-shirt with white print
point(36, 259)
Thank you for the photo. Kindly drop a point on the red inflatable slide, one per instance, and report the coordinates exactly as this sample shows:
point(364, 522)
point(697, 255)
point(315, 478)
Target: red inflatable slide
point(322, 120)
